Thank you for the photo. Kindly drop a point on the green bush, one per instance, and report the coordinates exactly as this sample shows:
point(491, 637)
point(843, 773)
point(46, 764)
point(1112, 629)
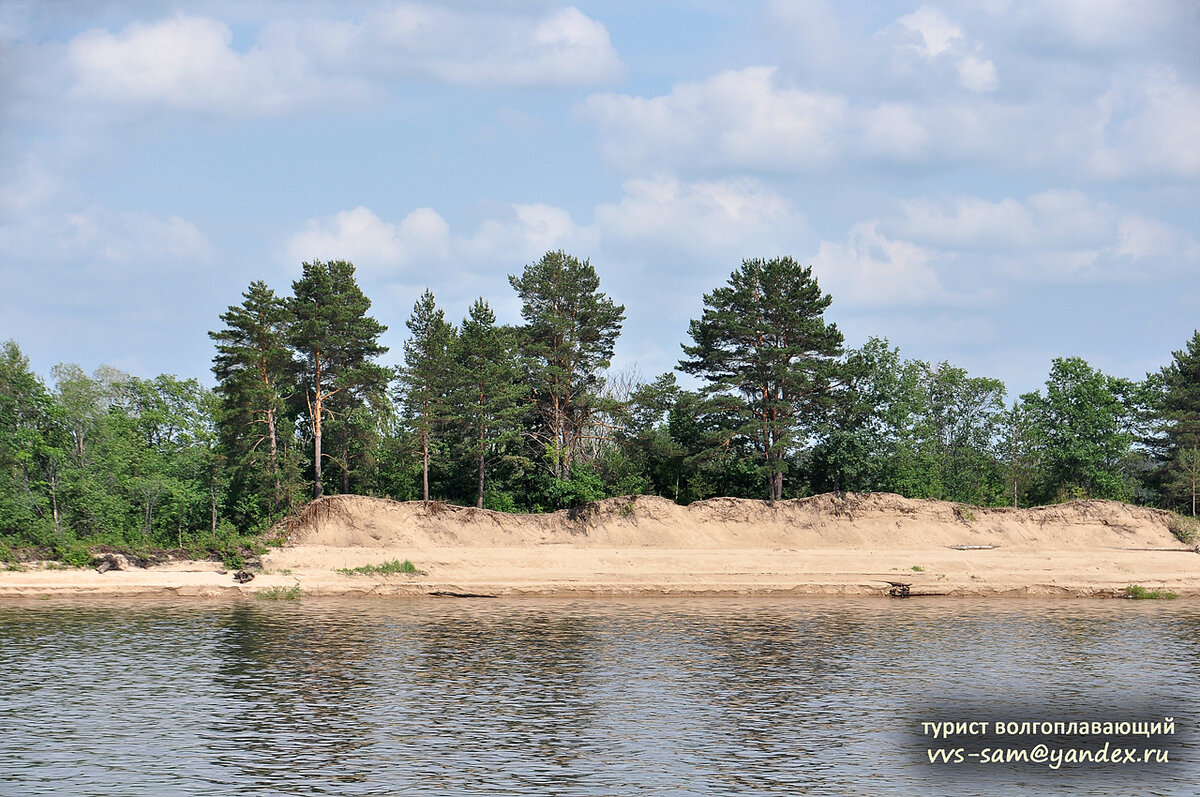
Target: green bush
point(1139, 593)
point(583, 487)
point(387, 568)
point(291, 593)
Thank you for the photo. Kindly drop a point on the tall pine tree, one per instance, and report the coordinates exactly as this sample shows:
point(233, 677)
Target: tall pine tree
point(426, 377)
point(488, 390)
point(763, 336)
point(571, 329)
point(251, 365)
point(334, 341)
point(1179, 411)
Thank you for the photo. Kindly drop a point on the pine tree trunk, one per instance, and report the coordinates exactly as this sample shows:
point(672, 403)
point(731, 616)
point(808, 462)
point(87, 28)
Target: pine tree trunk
point(479, 495)
point(346, 462)
point(317, 489)
point(425, 466)
point(318, 397)
point(274, 459)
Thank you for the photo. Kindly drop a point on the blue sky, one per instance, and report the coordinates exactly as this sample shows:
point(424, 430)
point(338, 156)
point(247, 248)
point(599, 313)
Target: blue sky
point(989, 183)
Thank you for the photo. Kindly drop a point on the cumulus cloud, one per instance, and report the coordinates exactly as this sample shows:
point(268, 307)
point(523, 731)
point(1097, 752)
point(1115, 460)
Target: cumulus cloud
point(724, 217)
point(191, 63)
point(934, 37)
point(1053, 235)
point(1148, 122)
point(872, 269)
point(406, 251)
point(100, 240)
point(745, 118)
point(564, 47)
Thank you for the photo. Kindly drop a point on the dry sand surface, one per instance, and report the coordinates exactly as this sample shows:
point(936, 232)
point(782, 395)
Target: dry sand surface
point(826, 545)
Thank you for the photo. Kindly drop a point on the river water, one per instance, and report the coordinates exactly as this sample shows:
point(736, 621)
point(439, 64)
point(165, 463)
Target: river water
point(583, 697)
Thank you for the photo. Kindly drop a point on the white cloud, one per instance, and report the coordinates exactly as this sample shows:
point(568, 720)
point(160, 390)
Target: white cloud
point(1054, 235)
point(933, 36)
point(100, 240)
point(190, 62)
point(1148, 123)
point(1049, 218)
point(870, 268)
point(1099, 26)
point(737, 217)
point(373, 245)
point(422, 241)
point(745, 118)
point(894, 131)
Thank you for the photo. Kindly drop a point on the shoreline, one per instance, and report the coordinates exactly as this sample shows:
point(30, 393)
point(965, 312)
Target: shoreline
point(829, 545)
point(602, 572)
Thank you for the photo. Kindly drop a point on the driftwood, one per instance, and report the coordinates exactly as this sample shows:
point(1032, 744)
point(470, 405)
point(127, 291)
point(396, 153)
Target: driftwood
point(441, 593)
point(899, 589)
point(972, 547)
point(242, 576)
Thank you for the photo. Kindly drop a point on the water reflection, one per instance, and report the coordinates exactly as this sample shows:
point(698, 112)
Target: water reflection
point(704, 697)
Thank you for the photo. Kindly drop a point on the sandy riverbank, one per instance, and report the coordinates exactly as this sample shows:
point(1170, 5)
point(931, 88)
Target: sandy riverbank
point(825, 545)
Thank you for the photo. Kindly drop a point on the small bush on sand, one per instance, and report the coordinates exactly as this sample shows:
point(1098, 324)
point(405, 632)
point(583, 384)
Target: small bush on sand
point(385, 569)
point(1137, 592)
point(291, 593)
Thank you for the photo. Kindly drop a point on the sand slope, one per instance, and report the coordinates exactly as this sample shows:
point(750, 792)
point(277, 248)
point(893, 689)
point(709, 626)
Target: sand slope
point(847, 521)
point(851, 544)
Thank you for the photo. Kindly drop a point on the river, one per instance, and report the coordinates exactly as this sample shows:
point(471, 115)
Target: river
point(587, 697)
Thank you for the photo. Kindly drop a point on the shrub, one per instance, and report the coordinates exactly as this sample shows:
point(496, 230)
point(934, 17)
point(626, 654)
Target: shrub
point(385, 569)
point(291, 593)
point(1137, 592)
point(1184, 528)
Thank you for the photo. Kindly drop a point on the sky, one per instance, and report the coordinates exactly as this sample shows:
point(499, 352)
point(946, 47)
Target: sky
point(991, 183)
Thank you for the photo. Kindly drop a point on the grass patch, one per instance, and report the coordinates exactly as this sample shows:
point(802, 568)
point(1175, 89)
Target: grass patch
point(964, 514)
point(386, 569)
point(1185, 529)
point(918, 569)
point(291, 593)
point(1136, 592)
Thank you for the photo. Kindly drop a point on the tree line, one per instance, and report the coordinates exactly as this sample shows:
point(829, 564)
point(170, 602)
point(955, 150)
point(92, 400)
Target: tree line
point(531, 417)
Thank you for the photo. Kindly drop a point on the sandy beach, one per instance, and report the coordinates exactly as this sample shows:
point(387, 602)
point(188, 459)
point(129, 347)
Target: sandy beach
point(824, 545)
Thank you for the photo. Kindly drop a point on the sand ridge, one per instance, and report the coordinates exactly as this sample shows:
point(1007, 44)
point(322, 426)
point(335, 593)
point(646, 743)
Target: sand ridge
point(834, 544)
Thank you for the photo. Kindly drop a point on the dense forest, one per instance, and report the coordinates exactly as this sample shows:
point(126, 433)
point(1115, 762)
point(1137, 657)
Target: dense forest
point(531, 418)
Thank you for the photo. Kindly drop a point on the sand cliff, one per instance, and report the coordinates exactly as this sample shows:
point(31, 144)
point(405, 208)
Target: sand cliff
point(851, 544)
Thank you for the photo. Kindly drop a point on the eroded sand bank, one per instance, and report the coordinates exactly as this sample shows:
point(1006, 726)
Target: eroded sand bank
point(825, 545)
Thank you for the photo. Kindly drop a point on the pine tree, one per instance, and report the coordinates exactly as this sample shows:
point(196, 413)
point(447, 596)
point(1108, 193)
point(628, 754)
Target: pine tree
point(764, 336)
point(335, 343)
point(251, 366)
point(1179, 411)
point(426, 377)
point(571, 329)
point(488, 390)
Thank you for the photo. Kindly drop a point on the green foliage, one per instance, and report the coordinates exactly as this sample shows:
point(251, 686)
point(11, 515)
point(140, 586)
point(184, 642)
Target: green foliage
point(393, 567)
point(918, 569)
point(571, 329)
point(1085, 427)
point(334, 343)
point(232, 558)
point(763, 337)
point(584, 486)
point(1139, 593)
point(487, 393)
point(292, 593)
point(427, 378)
